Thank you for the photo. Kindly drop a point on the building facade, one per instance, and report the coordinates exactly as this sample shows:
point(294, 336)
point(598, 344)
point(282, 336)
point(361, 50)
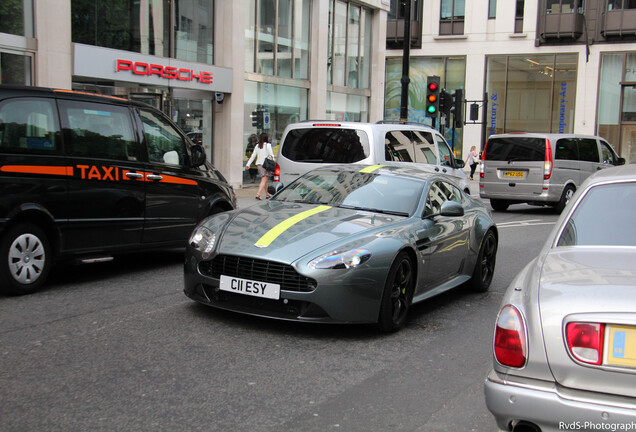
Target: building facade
point(211, 65)
point(561, 66)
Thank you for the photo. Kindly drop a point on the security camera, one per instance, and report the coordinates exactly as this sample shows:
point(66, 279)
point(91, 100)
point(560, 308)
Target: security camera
point(219, 97)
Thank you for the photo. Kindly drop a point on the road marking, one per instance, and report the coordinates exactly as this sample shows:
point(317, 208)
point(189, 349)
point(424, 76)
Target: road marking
point(523, 223)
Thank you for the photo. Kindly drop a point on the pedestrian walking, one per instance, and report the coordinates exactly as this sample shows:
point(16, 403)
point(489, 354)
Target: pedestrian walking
point(472, 160)
point(261, 152)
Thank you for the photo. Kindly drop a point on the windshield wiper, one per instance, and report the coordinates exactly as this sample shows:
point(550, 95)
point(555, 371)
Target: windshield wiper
point(375, 210)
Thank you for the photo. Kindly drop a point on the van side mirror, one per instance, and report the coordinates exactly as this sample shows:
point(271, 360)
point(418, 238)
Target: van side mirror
point(197, 155)
point(459, 163)
point(620, 161)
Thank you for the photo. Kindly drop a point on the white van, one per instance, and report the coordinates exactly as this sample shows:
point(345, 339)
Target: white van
point(540, 169)
point(312, 144)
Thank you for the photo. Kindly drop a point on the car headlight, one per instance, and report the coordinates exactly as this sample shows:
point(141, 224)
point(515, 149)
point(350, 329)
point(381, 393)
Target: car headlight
point(340, 260)
point(203, 240)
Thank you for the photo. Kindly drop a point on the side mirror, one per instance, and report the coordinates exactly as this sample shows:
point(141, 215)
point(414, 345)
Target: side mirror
point(620, 161)
point(459, 163)
point(197, 155)
point(273, 190)
point(451, 209)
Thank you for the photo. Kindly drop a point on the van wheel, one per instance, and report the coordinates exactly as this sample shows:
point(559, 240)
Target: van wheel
point(25, 259)
point(566, 196)
point(499, 205)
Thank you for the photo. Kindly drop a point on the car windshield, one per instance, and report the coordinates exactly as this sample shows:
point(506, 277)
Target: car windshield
point(356, 190)
point(603, 217)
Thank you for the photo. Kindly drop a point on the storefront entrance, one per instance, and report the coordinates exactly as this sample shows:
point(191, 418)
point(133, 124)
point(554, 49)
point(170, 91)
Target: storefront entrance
point(628, 142)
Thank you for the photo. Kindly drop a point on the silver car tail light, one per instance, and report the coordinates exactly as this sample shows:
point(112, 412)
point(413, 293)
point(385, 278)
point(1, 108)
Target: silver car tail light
point(510, 343)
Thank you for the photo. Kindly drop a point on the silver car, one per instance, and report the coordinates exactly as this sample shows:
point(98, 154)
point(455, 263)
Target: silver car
point(565, 337)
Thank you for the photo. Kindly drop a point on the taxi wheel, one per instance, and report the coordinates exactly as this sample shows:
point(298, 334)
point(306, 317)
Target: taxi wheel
point(397, 295)
point(485, 265)
point(25, 259)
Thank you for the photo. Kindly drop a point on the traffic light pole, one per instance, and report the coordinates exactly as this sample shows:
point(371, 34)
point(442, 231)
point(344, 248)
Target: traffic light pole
point(404, 104)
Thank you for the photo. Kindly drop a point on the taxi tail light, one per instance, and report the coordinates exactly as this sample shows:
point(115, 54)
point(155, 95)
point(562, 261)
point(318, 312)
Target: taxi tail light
point(547, 166)
point(277, 173)
point(585, 341)
point(510, 345)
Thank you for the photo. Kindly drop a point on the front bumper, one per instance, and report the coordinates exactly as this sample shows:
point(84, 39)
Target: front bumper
point(340, 296)
point(552, 408)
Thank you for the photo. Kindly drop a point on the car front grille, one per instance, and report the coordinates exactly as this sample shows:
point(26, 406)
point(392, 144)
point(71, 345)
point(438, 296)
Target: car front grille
point(258, 270)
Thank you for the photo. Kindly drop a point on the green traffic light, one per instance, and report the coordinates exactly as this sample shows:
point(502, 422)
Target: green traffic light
point(431, 109)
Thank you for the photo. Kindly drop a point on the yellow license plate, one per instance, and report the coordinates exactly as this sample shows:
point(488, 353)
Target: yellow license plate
point(513, 173)
point(620, 349)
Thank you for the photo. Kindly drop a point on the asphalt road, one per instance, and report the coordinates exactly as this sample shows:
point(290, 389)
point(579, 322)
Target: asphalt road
point(118, 347)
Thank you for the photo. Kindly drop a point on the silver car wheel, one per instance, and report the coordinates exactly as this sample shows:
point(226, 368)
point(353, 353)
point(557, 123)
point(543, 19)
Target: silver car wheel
point(27, 259)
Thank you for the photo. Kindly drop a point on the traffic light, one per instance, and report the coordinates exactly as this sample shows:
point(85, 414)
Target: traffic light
point(445, 104)
point(257, 119)
point(432, 96)
point(458, 108)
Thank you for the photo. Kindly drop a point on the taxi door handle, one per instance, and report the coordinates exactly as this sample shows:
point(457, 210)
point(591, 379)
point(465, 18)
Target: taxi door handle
point(134, 175)
point(154, 177)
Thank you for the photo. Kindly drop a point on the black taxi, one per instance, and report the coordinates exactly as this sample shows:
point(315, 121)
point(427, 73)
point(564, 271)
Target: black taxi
point(84, 176)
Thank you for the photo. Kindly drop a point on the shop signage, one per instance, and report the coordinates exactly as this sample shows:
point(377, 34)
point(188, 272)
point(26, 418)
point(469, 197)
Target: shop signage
point(166, 72)
point(125, 66)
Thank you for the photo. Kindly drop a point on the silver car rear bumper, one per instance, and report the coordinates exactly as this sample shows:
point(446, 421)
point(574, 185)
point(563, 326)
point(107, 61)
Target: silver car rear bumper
point(553, 409)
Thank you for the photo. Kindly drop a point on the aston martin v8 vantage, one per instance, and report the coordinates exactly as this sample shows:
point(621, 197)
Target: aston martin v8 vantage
point(344, 244)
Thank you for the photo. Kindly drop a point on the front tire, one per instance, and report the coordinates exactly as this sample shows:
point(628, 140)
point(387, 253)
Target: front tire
point(397, 294)
point(485, 265)
point(566, 196)
point(25, 259)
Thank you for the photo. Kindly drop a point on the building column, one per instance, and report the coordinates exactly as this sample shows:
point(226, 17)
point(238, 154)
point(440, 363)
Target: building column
point(378, 66)
point(229, 51)
point(53, 59)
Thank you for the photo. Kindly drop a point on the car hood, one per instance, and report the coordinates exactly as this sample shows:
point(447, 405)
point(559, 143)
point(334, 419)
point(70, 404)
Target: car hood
point(285, 232)
point(588, 284)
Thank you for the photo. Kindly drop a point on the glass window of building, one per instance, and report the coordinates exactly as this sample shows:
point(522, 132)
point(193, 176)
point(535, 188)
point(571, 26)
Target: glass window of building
point(519, 16)
point(531, 93)
point(180, 29)
point(452, 73)
point(16, 17)
point(452, 14)
point(277, 38)
point(492, 9)
point(15, 69)
point(621, 4)
point(349, 45)
point(347, 107)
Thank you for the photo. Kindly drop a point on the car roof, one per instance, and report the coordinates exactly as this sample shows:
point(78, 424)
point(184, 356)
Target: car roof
point(7, 91)
point(384, 125)
point(554, 136)
point(614, 174)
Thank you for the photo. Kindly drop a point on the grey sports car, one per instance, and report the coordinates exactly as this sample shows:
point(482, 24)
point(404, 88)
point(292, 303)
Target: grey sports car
point(344, 244)
point(565, 337)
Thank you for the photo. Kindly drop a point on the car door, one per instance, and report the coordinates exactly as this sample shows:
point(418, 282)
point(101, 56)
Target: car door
point(172, 192)
point(106, 196)
point(447, 236)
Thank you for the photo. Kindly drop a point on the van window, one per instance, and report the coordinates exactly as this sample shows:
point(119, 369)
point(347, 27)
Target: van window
point(326, 145)
point(566, 149)
point(445, 154)
point(98, 130)
point(165, 145)
point(588, 150)
point(425, 148)
point(515, 149)
point(398, 146)
point(29, 126)
point(609, 157)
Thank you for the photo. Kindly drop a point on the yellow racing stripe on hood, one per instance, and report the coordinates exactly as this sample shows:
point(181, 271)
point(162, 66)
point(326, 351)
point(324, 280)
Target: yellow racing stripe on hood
point(371, 168)
point(273, 234)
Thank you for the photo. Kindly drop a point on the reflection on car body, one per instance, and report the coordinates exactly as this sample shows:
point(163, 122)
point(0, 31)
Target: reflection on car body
point(346, 244)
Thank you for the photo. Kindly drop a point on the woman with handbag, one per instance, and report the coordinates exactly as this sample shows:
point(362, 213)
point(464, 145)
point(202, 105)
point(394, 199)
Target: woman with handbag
point(261, 152)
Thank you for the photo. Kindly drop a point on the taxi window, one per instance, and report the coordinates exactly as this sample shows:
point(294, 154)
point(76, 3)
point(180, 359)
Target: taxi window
point(426, 149)
point(29, 126)
point(98, 130)
point(398, 146)
point(165, 145)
